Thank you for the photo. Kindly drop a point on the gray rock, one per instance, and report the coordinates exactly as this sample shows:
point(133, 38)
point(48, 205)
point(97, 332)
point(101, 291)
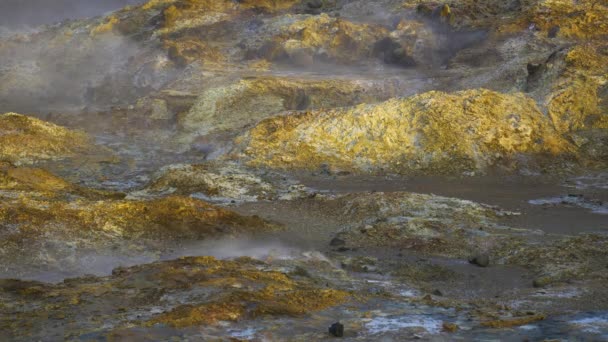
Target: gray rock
point(337, 329)
point(335, 242)
point(481, 260)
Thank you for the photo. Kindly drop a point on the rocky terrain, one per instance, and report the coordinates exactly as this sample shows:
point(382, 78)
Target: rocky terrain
point(262, 169)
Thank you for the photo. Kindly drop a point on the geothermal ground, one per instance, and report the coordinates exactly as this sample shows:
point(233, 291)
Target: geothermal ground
point(258, 170)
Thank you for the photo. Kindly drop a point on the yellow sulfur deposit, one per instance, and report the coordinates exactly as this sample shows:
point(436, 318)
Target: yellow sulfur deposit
point(106, 27)
point(513, 322)
point(434, 131)
point(171, 216)
point(581, 19)
point(187, 50)
point(96, 221)
point(575, 103)
point(250, 100)
point(193, 13)
point(339, 39)
point(243, 289)
point(277, 295)
point(24, 178)
point(24, 139)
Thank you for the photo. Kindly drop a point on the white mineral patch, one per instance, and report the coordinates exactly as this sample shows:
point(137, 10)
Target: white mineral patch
point(379, 325)
point(245, 334)
point(596, 207)
point(598, 181)
point(594, 325)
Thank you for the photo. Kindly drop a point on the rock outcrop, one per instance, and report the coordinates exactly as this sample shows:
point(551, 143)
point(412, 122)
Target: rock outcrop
point(212, 292)
point(222, 182)
point(24, 139)
point(433, 132)
point(73, 228)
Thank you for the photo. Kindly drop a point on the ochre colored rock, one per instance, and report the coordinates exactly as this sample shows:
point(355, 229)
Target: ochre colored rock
point(222, 182)
point(248, 101)
point(424, 224)
point(183, 14)
point(582, 19)
point(106, 27)
point(335, 39)
point(214, 290)
point(513, 322)
point(575, 102)
point(281, 301)
point(24, 139)
point(30, 179)
point(53, 223)
point(431, 132)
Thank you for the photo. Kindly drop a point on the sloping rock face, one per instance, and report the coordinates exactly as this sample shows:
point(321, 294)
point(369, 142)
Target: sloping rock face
point(72, 232)
point(222, 182)
point(24, 139)
point(436, 226)
point(242, 104)
point(70, 227)
point(181, 293)
point(426, 224)
point(433, 132)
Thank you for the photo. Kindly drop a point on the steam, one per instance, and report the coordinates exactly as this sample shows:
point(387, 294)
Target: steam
point(19, 14)
point(102, 262)
point(84, 73)
point(262, 249)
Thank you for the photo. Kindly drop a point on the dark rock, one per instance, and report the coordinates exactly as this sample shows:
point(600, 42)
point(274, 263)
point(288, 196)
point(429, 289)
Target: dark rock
point(335, 242)
point(336, 329)
point(437, 292)
point(481, 260)
point(314, 4)
point(541, 282)
point(391, 52)
point(325, 170)
point(449, 327)
point(553, 31)
point(424, 10)
point(301, 271)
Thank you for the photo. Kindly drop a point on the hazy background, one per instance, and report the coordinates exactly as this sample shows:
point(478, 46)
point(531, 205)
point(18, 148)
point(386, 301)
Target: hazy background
point(27, 13)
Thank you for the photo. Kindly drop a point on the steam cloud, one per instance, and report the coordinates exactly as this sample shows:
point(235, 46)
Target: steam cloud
point(27, 13)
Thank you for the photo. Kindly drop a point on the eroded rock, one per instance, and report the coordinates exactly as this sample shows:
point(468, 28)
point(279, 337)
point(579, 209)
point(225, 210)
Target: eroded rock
point(222, 182)
point(24, 140)
point(433, 132)
point(72, 234)
point(189, 292)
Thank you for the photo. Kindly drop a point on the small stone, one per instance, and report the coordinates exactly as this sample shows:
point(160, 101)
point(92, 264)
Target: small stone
point(336, 329)
point(367, 229)
point(335, 242)
point(325, 170)
point(481, 260)
point(541, 282)
point(450, 327)
point(553, 31)
point(437, 292)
